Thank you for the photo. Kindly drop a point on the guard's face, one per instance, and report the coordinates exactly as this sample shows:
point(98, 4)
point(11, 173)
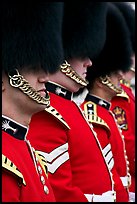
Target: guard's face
point(128, 76)
point(37, 80)
point(116, 77)
point(20, 101)
point(80, 66)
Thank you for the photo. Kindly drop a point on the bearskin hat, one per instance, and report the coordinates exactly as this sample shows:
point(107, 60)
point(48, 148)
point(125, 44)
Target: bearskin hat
point(32, 34)
point(129, 15)
point(84, 28)
point(116, 53)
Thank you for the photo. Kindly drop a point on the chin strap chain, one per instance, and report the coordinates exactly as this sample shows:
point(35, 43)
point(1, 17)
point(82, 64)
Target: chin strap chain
point(18, 81)
point(68, 71)
point(106, 80)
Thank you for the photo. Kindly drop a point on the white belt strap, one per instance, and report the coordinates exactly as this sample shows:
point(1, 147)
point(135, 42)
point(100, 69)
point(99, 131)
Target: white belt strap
point(126, 180)
point(109, 196)
point(131, 197)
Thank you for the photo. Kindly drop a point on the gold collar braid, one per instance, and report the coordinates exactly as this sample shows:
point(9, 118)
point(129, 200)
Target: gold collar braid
point(106, 80)
point(18, 81)
point(68, 71)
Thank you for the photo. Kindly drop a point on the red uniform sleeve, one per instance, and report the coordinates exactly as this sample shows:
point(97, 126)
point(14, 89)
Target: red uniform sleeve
point(10, 187)
point(61, 178)
point(62, 183)
point(128, 112)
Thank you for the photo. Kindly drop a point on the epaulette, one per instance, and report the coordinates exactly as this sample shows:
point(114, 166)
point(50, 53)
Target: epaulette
point(90, 110)
point(42, 161)
point(56, 114)
point(123, 94)
point(10, 166)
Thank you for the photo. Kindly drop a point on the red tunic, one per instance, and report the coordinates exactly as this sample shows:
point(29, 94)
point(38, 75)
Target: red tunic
point(20, 180)
point(97, 113)
point(75, 160)
point(131, 96)
point(123, 108)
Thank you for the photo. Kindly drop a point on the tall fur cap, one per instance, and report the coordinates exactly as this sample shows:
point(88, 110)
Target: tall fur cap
point(129, 15)
point(84, 28)
point(32, 34)
point(116, 53)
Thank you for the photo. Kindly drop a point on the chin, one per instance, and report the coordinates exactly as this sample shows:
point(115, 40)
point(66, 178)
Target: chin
point(76, 88)
point(38, 108)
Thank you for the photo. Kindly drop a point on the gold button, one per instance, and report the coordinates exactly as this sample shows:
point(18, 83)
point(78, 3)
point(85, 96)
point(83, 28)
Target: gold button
point(46, 190)
point(39, 169)
point(127, 168)
point(127, 162)
point(42, 179)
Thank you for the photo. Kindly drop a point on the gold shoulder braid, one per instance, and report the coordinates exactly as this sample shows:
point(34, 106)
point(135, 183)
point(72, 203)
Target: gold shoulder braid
point(10, 166)
point(90, 110)
point(18, 81)
point(68, 71)
point(106, 80)
point(123, 94)
point(56, 114)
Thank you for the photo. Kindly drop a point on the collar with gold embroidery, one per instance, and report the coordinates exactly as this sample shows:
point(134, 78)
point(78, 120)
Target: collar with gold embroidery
point(98, 101)
point(13, 128)
point(59, 90)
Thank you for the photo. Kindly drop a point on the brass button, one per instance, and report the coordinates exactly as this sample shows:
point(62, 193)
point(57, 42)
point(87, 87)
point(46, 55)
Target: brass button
point(46, 190)
point(42, 179)
point(39, 169)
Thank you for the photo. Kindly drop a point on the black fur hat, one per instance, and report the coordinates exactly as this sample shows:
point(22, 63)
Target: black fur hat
point(116, 53)
point(129, 15)
point(32, 34)
point(84, 28)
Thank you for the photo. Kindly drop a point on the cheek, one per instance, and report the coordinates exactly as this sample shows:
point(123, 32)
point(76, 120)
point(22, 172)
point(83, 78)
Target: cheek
point(114, 81)
point(79, 69)
point(31, 81)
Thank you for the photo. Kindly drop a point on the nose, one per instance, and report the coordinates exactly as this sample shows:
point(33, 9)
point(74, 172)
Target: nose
point(43, 78)
point(87, 63)
point(120, 75)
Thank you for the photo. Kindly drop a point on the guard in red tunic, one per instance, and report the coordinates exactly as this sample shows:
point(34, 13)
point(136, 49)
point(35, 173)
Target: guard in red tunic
point(131, 103)
point(23, 171)
point(98, 114)
point(129, 15)
point(120, 106)
point(123, 108)
point(123, 105)
point(103, 85)
point(25, 63)
point(126, 86)
point(78, 171)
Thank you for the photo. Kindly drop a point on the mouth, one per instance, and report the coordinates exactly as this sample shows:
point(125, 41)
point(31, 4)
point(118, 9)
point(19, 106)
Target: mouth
point(84, 74)
point(42, 92)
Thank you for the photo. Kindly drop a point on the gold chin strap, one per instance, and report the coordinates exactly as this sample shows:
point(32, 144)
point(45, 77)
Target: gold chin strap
point(18, 81)
point(68, 71)
point(106, 80)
